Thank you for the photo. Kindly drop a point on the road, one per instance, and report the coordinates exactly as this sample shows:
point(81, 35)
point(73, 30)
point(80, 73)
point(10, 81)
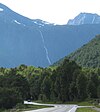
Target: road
point(55, 108)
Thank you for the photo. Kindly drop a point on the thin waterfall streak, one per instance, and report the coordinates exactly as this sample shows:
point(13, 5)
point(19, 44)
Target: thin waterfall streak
point(47, 55)
point(42, 37)
point(45, 48)
point(93, 20)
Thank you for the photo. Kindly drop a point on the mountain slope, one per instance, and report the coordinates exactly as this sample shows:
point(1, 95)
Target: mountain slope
point(85, 18)
point(62, 40)
point(88, 55)
point(19, 42)
point(36, 42)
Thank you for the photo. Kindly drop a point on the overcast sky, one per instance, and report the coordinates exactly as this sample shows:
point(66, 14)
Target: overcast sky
point(54, 11)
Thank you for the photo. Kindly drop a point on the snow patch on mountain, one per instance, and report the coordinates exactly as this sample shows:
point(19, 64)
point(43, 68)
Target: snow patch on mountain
point(17, 22)
point(38, 23)
point(1, 9)
point(44, 22)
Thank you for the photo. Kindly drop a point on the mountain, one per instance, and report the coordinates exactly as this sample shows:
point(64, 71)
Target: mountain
point(36, 42)
point(85, 18)
point(10, 16)
point(88, 55)
point(20, 41)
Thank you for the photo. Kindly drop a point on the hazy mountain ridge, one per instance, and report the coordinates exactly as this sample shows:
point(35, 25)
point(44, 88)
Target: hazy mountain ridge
point(12, 16)
point(86, 56)
point(89, 54)
point(36, 42)
point(85, 18)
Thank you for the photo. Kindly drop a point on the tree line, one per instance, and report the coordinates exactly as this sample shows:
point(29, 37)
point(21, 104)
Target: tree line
point(66, 82)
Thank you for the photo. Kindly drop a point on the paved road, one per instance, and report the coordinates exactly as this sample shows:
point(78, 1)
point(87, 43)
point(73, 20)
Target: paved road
point(56, 108)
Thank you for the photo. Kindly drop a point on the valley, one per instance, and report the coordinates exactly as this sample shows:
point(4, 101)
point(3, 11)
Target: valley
point(46, 62)
point(39, 43)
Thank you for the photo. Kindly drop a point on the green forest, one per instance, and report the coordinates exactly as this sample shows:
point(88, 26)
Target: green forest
point(63, 83)
point(89, 54)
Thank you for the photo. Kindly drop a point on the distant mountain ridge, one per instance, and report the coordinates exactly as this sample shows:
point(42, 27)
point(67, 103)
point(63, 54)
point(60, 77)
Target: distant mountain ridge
point(89, 54)
point(11, 16)
point(86, 56)
point(85, 18)
point(36, 42)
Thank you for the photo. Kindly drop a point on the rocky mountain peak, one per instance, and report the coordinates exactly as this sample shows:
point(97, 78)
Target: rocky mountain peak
point(85, 18)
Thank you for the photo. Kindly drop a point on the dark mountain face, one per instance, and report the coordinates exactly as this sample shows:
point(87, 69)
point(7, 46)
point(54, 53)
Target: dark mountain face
point(89, 54)
point(86, 56)
point(36, 42)
point(85, 18)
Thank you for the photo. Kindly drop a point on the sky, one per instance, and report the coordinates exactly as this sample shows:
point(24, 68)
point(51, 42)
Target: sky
point(53, 11)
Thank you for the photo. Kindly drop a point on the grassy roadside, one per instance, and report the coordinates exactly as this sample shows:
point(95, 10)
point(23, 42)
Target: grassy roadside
point(82, 103)
point(24, 107)
point(85, 110)
point(86, 103)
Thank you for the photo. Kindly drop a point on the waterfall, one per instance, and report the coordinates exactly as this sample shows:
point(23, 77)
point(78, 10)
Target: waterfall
point(93, 20)
point(45, 48)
